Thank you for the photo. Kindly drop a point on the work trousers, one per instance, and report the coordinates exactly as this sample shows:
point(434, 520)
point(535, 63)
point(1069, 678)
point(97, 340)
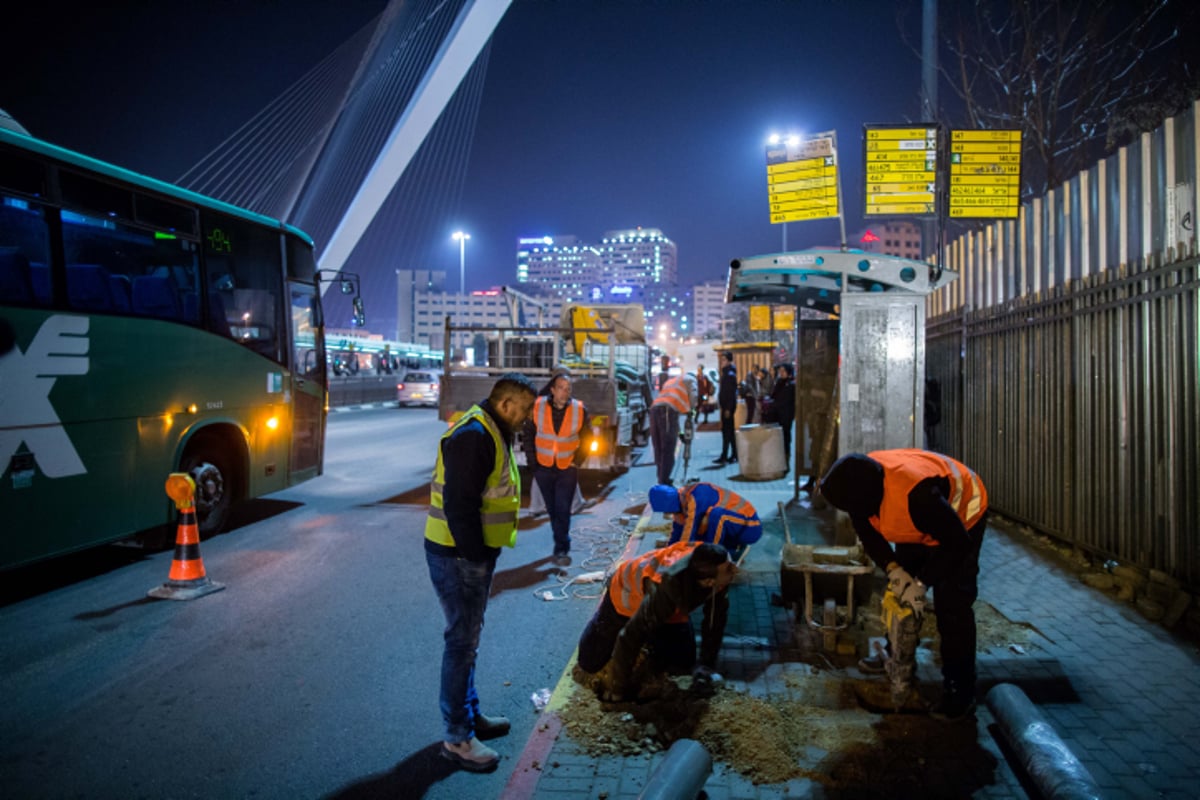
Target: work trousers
point(664, 434)
point(953, 600)
point(462, 588)
point(558, 493)
point(728, 441)
point(672, 645)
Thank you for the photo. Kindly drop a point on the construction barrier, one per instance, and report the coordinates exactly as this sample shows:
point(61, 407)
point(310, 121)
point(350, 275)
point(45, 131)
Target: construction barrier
point(187, 579)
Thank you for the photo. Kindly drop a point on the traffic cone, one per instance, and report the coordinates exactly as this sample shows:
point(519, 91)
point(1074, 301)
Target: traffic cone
point(187, 579)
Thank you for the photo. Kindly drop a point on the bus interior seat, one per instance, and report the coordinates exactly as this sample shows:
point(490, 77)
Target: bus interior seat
point(87, 287)
point(15, 283)
point(121, 289)
point(39, 277)
point(217, 321)
point(155, 296)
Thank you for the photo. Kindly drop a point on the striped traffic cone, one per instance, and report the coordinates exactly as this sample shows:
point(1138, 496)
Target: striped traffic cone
point(187, 579)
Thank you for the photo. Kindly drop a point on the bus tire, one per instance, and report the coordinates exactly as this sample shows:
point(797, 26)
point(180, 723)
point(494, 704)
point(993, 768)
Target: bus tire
point(214, 470)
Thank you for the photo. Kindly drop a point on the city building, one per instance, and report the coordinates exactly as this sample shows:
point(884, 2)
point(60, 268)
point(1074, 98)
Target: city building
point(891, 237)
point(708, 308)
point(574, 271)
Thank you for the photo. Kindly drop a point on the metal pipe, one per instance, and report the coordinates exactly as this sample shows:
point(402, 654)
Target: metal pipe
point(1054, 769)
point(682, 773)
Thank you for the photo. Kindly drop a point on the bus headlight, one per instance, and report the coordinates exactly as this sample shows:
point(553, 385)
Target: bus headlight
point(272, 423)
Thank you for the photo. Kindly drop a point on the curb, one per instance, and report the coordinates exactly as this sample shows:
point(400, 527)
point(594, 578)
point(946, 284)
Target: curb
point(522, 783)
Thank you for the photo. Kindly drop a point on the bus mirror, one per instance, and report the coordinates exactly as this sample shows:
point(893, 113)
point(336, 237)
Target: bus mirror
point(347, 286)
point(360, 318)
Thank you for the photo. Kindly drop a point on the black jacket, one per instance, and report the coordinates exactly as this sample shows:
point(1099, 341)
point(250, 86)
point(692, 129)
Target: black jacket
point(468, 456)
point(727, 393)
point(783, 400)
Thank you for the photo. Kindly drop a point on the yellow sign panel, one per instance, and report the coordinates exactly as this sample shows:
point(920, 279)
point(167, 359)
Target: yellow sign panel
point(762, 318)
point(901, 170)
point(802, 179)
point(985, 174)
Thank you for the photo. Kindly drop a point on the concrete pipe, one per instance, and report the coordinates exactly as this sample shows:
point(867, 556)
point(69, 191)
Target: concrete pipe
point(682, 773)
point(1054, 769)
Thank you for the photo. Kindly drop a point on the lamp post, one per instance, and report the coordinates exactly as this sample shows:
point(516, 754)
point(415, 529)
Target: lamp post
point(461, 238)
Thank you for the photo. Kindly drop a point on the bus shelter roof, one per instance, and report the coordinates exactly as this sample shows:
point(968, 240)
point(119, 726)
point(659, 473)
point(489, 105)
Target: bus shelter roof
point(816, 278)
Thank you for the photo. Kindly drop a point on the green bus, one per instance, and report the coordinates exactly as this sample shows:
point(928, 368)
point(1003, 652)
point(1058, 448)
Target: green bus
point(144, 330)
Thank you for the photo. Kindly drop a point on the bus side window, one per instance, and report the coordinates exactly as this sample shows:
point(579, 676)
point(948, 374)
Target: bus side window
point(24, 253)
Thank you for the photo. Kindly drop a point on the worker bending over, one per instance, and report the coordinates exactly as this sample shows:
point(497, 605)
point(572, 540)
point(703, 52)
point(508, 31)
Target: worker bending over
point(933, 510)
point(703, 512)
point(647, 604)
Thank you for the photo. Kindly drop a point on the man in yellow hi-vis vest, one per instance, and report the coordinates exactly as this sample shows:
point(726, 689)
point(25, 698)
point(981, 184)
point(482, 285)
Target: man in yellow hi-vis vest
point(474, 501)
point(920, 515)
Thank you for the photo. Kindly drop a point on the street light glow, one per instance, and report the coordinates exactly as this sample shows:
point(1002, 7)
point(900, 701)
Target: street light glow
point(461, 237)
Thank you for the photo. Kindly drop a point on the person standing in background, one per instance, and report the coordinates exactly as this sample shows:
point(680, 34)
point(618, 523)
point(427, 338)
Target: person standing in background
point(558, 422)
point(678, 396)
point(783, 407)
point(727, 394)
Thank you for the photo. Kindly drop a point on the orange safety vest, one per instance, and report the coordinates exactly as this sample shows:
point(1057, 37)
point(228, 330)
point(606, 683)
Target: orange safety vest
point(904, 469)
point(626, 588)
point(731, 501)
point(557, 448)
point(675, 394)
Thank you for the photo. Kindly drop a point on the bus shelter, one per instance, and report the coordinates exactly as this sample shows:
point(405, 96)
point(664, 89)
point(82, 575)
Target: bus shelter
point(877, 396)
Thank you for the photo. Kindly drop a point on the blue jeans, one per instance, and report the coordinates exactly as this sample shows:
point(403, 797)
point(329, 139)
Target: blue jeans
point(462, 587)
point(558, 493)
point(664, 433)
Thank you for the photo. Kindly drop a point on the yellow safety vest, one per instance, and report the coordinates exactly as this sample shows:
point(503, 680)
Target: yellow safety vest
point(501, 493)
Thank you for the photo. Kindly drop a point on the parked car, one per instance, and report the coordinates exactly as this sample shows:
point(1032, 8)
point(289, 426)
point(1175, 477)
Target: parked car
point(418, 388)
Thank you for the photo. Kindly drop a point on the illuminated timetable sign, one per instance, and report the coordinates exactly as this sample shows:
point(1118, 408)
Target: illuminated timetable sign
point(985, 174)
point(802, 179)
point(901, 170)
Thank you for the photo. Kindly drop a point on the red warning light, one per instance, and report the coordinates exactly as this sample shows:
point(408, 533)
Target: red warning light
point(870, 237)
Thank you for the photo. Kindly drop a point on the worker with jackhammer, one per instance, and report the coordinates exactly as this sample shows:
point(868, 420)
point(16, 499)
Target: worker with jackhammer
point(646, 605)
point(704, 512)
point(920, 515)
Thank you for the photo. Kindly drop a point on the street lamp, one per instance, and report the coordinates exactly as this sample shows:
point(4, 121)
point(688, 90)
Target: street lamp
point(461, 238)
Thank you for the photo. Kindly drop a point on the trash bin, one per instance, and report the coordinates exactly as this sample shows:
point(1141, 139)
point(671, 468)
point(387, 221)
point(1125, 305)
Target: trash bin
point(760, 452)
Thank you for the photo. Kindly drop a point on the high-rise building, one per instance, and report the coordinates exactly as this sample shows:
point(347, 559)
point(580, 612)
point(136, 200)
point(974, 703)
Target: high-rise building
point(573, 271)
point(708, 307)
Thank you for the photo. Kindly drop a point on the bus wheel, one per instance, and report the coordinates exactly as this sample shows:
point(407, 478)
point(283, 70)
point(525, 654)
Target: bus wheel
point(212, 471)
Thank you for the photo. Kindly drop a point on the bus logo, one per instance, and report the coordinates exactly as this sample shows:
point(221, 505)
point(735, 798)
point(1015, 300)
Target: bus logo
point(59, 348)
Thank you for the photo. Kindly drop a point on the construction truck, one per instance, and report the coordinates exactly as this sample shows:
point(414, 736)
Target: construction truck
point(602, 347)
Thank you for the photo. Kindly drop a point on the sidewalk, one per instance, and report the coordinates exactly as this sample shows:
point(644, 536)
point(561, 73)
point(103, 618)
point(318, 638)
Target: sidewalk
point(1122, 693)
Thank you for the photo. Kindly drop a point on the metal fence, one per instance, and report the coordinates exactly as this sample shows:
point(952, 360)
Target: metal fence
point(1066, 357)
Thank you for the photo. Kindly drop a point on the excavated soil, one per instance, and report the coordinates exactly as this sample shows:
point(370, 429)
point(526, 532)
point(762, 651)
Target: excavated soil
point(817, 729)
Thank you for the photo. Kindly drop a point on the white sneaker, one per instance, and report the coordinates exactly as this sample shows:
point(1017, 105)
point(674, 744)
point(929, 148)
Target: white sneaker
point(472, 755)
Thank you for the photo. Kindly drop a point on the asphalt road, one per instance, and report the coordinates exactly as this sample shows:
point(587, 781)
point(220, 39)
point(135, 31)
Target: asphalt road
point(314, 672)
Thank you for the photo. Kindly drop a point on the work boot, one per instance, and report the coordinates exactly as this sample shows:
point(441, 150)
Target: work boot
point(472, 755)
point(953, 706)
point(491, 727)
point(874, 664)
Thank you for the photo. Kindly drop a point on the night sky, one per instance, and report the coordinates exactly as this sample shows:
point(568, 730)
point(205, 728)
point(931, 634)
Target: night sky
point(595, 115)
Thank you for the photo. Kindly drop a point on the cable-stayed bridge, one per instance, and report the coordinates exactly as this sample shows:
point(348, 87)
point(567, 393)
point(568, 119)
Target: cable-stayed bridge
point(368, 151)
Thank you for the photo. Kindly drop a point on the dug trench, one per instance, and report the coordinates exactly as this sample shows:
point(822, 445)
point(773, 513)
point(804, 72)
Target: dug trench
point(809, 722)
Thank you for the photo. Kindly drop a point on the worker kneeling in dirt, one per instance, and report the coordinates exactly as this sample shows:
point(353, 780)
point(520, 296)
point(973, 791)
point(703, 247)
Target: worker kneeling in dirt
point(648, 601)
point(933, 509)
point(707, 513)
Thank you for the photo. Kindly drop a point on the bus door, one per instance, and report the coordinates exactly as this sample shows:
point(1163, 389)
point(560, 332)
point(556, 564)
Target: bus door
point(308, 383)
